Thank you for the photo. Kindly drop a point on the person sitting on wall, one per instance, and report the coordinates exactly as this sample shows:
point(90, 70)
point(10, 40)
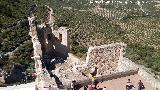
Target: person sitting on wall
point(140, 85)
point(129, 85)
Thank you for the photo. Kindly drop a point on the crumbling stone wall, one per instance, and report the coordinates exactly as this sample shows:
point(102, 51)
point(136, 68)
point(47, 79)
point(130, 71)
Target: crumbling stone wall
point(105, 57)
point(48, 44)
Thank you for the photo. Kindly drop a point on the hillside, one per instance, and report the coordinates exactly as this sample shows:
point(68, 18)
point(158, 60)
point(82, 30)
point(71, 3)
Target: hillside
point(95, 24)
point(15, 44)
point(135, 23)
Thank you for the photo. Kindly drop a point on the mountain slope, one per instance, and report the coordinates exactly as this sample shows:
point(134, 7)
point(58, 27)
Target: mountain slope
point(14, 31)
point(139, 29)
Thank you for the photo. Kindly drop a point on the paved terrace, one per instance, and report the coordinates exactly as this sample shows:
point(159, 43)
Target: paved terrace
point(119, 83)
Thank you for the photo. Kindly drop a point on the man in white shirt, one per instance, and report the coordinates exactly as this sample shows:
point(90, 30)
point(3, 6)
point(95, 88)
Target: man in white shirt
point(129, 85)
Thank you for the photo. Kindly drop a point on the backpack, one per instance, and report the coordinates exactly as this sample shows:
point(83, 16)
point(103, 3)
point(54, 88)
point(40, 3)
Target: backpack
point(142, 87)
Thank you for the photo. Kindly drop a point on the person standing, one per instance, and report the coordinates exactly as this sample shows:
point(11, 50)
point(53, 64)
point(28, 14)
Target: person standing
point(91, 87)
point(129, 85)
point(140, 85)
point(93, 80)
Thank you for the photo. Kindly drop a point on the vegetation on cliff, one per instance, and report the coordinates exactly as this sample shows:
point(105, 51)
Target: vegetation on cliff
point(15, 44)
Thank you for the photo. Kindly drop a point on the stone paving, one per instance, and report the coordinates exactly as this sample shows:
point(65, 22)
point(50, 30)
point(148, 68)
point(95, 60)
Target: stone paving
point(120, 83)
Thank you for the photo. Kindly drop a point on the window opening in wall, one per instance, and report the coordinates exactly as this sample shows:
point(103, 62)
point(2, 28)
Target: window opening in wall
point(49, 36)
point(60, 37)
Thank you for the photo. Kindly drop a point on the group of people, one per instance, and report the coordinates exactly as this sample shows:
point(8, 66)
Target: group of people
point(93, 78)
point(93, 73)
point(129, 85)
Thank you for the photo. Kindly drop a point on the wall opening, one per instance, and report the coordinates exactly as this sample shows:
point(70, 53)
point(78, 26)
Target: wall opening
point(60, 37)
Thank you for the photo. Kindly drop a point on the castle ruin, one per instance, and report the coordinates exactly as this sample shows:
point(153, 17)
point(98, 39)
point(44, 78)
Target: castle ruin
point(57, 67)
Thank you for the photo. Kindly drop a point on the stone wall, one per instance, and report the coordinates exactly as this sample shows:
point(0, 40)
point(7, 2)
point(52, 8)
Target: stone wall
point(64, 32)
point(125, 64)
point(42, 80)
point(49, 45)
point(63, 47)
point(105, 57)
